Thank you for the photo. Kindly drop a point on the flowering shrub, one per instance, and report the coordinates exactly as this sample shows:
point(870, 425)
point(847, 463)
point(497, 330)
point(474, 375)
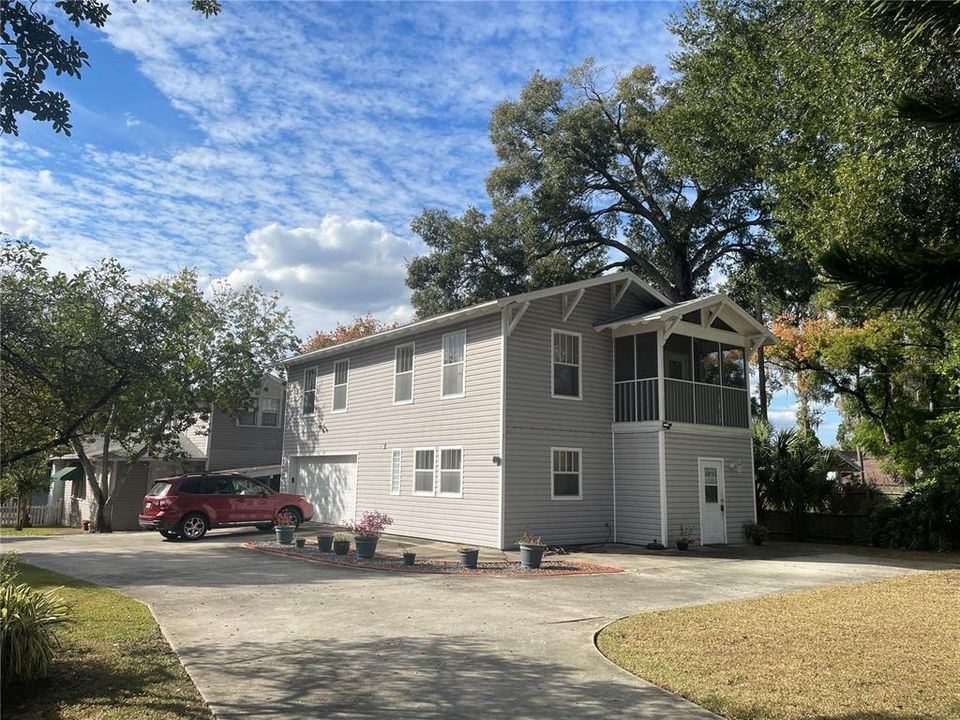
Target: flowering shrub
point(371, 524)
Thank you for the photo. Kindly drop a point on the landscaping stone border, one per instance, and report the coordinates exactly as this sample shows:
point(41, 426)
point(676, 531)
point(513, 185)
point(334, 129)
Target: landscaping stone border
point(392, 563)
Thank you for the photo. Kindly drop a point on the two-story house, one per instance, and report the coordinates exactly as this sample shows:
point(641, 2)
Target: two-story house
point(590, 412)
point(250, 443)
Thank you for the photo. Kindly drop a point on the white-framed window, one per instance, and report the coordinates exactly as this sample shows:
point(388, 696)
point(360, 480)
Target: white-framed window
point(396, 465)
point(565, 373)
point(249, 416)
point(424, 471)
point(565, 475)
point(451, 472)
point(341, 375)
point(454, 361)
point(269, 412)
point(403, 374)
point(309, 391)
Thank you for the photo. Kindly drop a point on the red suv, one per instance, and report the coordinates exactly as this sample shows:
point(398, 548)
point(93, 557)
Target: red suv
point(188, 505)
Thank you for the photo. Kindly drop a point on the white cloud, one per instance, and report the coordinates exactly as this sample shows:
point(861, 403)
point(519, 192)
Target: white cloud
point(331, 271)
point(130, 121)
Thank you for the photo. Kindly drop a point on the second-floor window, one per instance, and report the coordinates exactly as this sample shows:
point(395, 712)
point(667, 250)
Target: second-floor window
point(403, 374)
point(249, 417)
point(269, 412)
point(309, 391)
point(566, 364)
point(341, 374)
point(454, 361)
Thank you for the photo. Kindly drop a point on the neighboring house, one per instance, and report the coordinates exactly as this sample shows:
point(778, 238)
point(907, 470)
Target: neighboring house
point(868, 470)
point(590, 412)
point(250, 444)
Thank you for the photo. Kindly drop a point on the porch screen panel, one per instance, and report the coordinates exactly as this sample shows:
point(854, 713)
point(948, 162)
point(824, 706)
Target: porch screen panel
point(646, 355)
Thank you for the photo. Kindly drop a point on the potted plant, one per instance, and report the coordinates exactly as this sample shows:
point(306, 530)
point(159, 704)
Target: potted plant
point(325, 543)
point(686, 536)
point(408, 557)
point(468, 557)
point(300, 543)
point(341, 543)
point(531, 550)
point(368, 531)
point(755, 532)
point(286, 527)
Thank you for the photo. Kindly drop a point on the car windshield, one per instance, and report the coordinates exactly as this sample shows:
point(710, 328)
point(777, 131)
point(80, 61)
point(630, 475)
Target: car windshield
point(159, 489)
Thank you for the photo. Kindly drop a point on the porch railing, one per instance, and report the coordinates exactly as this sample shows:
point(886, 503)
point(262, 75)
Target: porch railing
point(636, 400)
point(705, 404)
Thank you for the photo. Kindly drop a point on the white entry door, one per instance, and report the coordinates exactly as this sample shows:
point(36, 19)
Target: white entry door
point(712, 522)
point(330, 484)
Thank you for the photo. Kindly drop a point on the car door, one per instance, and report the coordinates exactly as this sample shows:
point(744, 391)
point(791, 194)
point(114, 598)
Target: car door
point(220, 498)
point(254, 501)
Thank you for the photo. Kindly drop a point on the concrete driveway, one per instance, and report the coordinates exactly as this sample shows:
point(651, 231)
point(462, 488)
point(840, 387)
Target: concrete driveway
point(266, 637)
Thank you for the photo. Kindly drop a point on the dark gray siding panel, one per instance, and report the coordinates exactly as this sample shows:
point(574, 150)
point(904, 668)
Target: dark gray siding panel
point(373, 426)
point(234, 446)
point(683, 500)
point(638, 487)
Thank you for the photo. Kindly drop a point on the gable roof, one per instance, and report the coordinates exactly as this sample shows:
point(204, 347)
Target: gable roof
point(733, 314)
point(485, 308)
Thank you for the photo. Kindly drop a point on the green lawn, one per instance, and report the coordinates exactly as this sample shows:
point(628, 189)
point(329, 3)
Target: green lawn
point(114, 663)
point(881, 651)
point(34, 531)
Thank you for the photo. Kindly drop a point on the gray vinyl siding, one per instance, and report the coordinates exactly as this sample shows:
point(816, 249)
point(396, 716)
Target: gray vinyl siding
point(638, 487)
point(373, 426)
point(234, 446)
point(683, 500)
point(535, 422)
point(128, 499)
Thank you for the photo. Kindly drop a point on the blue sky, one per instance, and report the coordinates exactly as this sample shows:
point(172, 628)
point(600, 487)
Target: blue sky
point(290, 145)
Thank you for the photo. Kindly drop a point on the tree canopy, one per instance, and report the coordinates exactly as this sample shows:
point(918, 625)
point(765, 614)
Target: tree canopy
point(31, 44)
point(360, 326)
point(587, 182)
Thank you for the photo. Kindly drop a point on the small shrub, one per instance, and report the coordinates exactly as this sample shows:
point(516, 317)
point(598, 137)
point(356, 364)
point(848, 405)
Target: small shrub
point(27, 633)
point(528, 538)
point(9, 568)
point(926, 517)
point(755, 532)
point(372, 524)
point(342, 537)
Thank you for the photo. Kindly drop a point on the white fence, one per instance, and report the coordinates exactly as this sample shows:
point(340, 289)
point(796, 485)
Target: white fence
point(50, 514)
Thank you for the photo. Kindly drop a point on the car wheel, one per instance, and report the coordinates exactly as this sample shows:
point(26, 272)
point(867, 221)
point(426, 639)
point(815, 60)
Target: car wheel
point(291, 514)
point(193, 527)
point(265, 527)
point(169, 534)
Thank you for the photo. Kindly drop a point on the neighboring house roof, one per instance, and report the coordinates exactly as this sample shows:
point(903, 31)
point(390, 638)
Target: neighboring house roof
point(733, 314)
point(486, 308)
point(93, 448)
point(874, 473)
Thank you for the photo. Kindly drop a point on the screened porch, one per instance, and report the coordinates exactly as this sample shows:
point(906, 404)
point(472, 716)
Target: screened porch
point(704, 381)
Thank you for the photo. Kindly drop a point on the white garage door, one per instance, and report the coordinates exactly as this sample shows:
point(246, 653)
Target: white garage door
point(330, 483)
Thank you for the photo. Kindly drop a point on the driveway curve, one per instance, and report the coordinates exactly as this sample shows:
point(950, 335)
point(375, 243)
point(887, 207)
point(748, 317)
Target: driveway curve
point(271, 637)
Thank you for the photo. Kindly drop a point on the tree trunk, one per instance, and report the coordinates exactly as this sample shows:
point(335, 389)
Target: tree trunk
point(103, 518)
point(761, 363)
point(90, 477)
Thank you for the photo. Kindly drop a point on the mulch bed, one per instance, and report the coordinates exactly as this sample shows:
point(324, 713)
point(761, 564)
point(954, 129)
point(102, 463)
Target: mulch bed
point(393, 563)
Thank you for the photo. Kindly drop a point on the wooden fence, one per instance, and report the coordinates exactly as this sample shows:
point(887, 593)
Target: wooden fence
point(817, 526)
point(50, 514)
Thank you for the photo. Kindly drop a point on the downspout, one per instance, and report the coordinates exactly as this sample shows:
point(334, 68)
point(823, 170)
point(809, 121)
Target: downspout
point(661, 436)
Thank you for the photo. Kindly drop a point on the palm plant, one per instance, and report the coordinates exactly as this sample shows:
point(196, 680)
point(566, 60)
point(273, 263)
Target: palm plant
point(795, 470)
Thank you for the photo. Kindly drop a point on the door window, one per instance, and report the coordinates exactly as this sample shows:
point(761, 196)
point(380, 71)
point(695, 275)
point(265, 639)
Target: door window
point(711, 489)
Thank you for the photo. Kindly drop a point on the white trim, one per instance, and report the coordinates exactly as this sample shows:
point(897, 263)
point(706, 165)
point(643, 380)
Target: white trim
point(682, 428)
point(579, 336)
point(661, 439)
point(439, 472)
point(613, 448)
point(413, 473)
point(721, 493)
point(579, 495)
point(502, 411)
point(512, 315)
point(333, 391)
point(669, 326)
point(617, 293)
point(629, 277)
point(303, 390)
point(399, 467)
point(569, 302)
point(413, 367)
point(463, 390)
